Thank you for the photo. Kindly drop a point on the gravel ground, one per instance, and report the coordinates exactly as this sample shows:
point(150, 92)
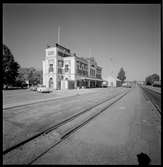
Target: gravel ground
point(22, 122)
point(115, 137)
point(19, 97)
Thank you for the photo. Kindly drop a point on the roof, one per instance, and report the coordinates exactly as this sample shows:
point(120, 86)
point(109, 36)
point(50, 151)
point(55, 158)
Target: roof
point(62, 47)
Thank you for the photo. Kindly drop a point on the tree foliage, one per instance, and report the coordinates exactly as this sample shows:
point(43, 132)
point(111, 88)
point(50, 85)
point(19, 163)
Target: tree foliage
point(30, 74)
point(14, 75)
point(121, 75)
point(9, 67)
point(151, 78)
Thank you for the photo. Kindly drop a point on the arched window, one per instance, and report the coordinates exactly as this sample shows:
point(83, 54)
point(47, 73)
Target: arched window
point(51, 83)
point(50, 67)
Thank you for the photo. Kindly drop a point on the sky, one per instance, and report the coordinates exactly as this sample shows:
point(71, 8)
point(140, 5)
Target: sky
point(116, 35)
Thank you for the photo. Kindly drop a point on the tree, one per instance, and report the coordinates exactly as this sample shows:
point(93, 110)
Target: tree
point(30, 74)
point(148, 80)
point(35, 77)
point(151, 78)
point(9, 67)
point(121, 75)
point(155, 77)
point(20, 79)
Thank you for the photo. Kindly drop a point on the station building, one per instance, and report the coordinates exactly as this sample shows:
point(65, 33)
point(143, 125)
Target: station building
point(64, 70)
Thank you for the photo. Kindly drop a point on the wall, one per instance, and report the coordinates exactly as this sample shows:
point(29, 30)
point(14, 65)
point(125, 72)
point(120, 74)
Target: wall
point(111, 80)
point(50, 58)
point(70, 75)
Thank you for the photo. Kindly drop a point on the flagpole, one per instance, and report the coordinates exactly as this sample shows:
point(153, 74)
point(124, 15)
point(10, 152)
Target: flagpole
point(90, 53)
point(58, 34)
point(111, 66)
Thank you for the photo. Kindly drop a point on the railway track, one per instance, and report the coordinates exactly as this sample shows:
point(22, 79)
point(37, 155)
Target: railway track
point(59, 131)
point(148, 96)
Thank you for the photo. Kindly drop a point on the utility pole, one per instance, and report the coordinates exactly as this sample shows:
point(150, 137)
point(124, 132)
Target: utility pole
point(111, 65)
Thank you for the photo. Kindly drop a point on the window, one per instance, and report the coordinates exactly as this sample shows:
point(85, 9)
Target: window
point(80, 66)
point(60, 53)
point(98, 76)
point(66, 68)
point(77, 67)
point(60, 63)
point(93, 72)
point(50, 67)
point(59, 71)
point(86, 66)
point(50, 52)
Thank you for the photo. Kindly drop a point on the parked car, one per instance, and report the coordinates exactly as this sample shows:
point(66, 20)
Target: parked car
point(43, 89)
point(105, 84)
point(33, 88)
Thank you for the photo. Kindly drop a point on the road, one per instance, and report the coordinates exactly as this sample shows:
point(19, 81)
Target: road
point(115, 137)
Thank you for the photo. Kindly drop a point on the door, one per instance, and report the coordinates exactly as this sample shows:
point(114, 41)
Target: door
point(51, 83)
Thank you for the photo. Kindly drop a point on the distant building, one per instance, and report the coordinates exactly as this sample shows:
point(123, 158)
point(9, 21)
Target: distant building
point(113, 82)
point(64, 70)
point(140, 82)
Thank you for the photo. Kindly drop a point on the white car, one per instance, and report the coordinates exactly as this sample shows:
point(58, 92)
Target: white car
point(43, 89)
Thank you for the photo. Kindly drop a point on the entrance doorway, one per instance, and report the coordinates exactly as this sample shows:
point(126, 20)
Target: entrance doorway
point(51, 83)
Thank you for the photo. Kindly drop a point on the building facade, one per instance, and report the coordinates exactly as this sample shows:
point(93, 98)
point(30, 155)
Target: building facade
point(64, 70)
point(113, 82)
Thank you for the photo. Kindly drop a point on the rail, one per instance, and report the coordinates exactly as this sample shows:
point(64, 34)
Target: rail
point(70, 119)
point(156, 90)
point(146, 93)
